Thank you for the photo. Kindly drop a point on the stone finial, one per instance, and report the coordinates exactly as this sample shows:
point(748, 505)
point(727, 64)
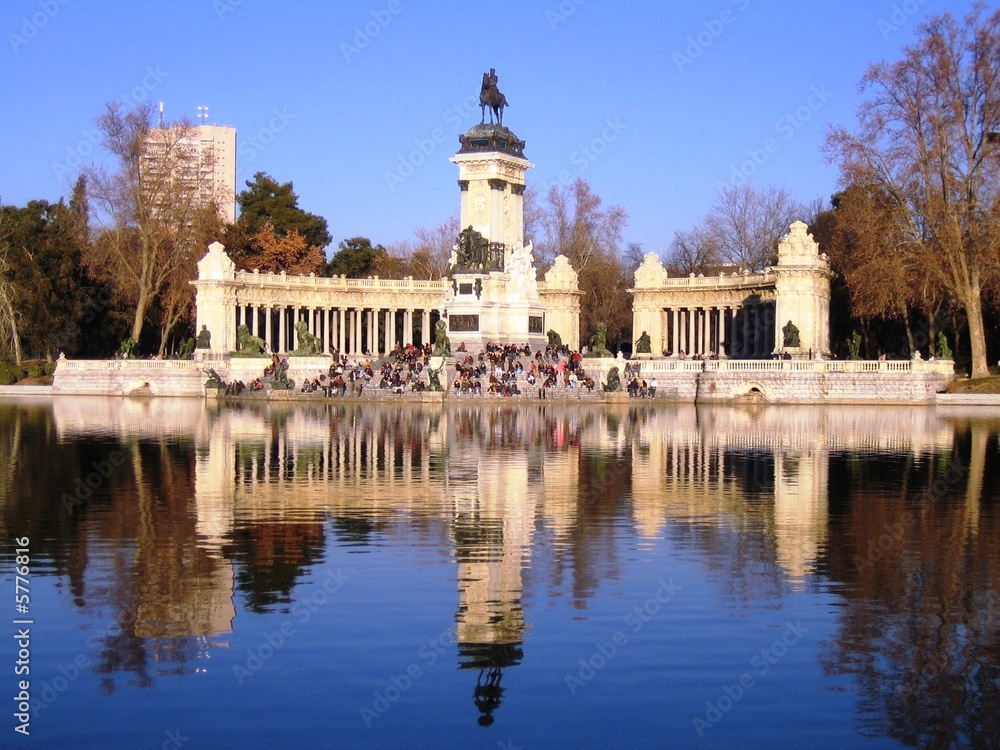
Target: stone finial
point(561, 275)
point(798, 246)
point(650, 272)
point(216, 265)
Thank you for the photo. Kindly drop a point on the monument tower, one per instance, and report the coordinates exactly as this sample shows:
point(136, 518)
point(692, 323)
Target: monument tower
point(494, 291)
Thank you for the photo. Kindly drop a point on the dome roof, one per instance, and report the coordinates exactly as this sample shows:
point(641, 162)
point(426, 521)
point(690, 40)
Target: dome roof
point(484, 138)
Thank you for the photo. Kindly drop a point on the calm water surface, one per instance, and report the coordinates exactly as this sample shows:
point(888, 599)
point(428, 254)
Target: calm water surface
point(501, 576)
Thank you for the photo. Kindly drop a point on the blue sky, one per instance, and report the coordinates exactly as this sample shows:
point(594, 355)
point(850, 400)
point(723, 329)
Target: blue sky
point(360, 104)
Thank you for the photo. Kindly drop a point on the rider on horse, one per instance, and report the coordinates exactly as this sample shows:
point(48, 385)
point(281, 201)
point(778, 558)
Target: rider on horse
point(491, 97)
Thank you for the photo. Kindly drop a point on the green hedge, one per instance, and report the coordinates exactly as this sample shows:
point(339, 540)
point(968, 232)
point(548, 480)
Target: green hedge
point(10, 373)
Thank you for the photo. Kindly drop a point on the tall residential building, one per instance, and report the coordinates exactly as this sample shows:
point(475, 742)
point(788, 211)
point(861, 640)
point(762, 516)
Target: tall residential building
point(203, 160)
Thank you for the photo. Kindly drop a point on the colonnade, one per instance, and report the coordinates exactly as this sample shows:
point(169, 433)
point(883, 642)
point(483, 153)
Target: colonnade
point(725, 330)
point(352, 331)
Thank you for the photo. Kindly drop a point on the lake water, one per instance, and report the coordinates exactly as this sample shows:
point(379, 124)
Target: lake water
point(500, 576)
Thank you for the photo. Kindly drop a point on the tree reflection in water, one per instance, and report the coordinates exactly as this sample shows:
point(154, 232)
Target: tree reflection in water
point(895, 511)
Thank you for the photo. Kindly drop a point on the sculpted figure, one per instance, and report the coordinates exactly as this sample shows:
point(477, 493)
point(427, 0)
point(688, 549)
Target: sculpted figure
point(204, 340)
point(614, 384)
point(643, 345)
point(214, 381)
point(442, 346)
point(248, 345)
point(309, 345)
point(791, 332)
point(599, 342)
point(490, 96)
point(554, 338)
point(187, 349)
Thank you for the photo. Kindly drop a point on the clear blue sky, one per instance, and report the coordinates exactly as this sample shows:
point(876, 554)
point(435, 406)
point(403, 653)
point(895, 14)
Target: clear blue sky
point(360, 103)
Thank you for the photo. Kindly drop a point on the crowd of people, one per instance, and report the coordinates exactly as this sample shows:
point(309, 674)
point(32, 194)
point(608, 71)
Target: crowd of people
point(501, 369)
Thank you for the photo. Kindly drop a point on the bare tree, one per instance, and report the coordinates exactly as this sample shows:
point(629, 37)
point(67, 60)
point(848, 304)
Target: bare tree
point(572, 223)
point(745, 224)
point(693, 251)
point(924, 140)
point(425, 258)
point(144, 207)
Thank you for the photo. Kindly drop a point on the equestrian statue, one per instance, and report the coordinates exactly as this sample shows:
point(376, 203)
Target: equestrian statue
point(490, 96)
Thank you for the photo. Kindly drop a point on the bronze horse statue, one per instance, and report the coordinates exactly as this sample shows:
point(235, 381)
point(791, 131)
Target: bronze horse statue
point(491, 97)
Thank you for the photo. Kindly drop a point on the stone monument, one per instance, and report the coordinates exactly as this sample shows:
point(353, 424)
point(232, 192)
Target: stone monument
point(495, 294)
point(802, 294)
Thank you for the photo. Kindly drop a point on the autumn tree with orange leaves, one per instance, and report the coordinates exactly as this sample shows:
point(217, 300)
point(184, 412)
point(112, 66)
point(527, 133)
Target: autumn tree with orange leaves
point(925, 150)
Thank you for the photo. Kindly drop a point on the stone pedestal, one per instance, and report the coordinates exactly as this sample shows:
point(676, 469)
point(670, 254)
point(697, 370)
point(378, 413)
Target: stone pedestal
point(495, 296)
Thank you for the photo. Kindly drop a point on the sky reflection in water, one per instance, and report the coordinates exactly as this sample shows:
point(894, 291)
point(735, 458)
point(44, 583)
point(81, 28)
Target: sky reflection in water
point(499, 576)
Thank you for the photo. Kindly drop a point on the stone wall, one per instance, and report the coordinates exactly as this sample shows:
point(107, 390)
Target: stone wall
point(686, 381)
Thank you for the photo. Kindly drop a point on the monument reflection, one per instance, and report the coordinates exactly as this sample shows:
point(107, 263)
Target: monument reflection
point(894, 508)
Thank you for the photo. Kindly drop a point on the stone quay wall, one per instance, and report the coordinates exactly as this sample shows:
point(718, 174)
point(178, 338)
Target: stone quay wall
point(685, 381)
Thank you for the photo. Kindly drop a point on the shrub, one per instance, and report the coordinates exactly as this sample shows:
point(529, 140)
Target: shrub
point(9, 373)
point(36, 370)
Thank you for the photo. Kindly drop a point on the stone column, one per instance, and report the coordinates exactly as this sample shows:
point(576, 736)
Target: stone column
point(279, 332)
point(675, 344)
point(372, 332)
point(745, 350)
point(733, 331)
point(426, 337)
point(706, 330)
point(691, 342)
point(342, 330)
point(407, 327)
point(721, 333)
point(358, 345)
point(327, 330)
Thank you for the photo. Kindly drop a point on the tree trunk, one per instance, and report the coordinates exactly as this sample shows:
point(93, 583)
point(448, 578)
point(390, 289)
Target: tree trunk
point(140, 317)
point(909, 333)
point(977, 334)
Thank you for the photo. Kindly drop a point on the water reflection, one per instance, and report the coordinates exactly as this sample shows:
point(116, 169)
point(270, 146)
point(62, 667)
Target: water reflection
point(211, 510)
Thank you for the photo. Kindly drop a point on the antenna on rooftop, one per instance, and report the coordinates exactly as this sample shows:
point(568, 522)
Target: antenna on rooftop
point(161, 116)
point(202, 114)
